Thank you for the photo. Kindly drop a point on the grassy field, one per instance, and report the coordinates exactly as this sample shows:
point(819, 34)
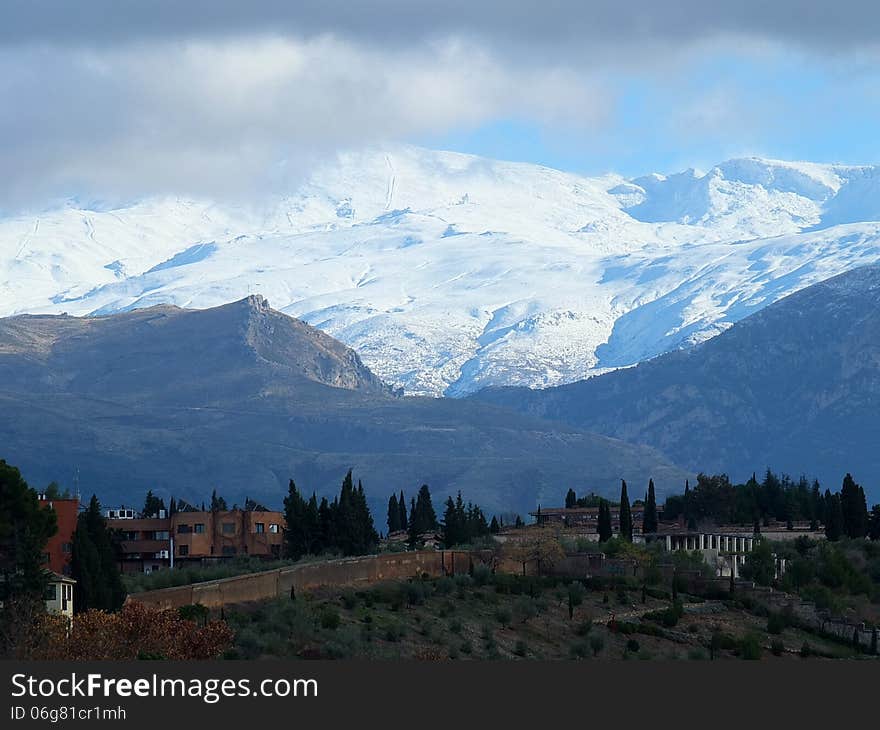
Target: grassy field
point(513, 617)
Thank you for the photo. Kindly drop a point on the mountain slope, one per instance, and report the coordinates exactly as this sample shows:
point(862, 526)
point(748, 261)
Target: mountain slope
point(795, 386)
point(242, 398)
point(449, 273)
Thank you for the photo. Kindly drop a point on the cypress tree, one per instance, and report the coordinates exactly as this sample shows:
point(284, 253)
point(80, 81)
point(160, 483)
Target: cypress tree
point(570, 499)
point(604, 522)
point(93, 563)
point(494, 527)
point(296, 539)
point(626, 525)
point(401, 503)
point(833, 516)
point(393, 514)
point(649, 521)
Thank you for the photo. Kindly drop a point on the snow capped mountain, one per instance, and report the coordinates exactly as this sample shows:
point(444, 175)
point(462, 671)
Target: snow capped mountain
point(449, 272)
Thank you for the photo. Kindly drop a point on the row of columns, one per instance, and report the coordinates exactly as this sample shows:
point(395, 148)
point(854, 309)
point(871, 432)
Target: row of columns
point(709, 541)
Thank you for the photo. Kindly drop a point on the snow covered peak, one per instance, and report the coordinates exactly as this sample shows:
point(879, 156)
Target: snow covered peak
point(449, 272)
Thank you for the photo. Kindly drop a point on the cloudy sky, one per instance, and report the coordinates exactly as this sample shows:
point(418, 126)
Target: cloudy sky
point(115, 99)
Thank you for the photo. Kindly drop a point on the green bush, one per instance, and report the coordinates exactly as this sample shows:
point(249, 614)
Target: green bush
point(503, 616)
point(750, 647)
point(632, 646)
point(776, 623)
point(583, 628)
point(329, 619)
point(777, 647)
point(521, 649)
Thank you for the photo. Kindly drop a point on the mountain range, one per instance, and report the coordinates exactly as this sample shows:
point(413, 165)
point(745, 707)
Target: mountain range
point(795, 387)
point(241, 398)
point(449, 273)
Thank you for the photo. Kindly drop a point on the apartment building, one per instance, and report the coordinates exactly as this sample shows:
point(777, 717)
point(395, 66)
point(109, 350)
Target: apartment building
point(195, 537)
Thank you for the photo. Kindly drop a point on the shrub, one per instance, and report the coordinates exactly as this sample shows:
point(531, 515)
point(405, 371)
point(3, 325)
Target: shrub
point(349, 600)
point(583, 628)
point(776, 623)
point(806, 650)
point(394, 632)
point(597, 644)
point(579, 650)
point(777, 647)
point(482, 575)
point(750, 647)
point(697, 654)
point(632, 646)
point(504, 616)
point(521, 649)
point(329, 619)
point(455, 626)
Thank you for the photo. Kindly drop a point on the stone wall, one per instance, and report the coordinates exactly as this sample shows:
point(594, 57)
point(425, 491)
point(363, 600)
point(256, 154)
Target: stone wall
point(309, 576)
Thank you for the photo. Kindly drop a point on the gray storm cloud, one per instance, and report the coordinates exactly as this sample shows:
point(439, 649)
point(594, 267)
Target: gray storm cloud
point(122, 98)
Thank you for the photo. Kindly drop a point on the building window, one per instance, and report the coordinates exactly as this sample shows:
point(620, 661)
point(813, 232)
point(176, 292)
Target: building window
point(199, 528)
point(183, 550)
point(260, 527)
point(160, 535)
point(52, 592)
point(228, 528)
point(67, 547)
point(273, 528)
point(184, 529)
point(228, 550)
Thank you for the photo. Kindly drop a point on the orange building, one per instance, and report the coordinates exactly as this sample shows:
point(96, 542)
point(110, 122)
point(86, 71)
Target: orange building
point(60, 545)
point(195, 536)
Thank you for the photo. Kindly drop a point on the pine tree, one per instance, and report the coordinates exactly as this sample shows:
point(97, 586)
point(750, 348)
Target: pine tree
point(93, 563)
point(393, 514)
point(296, 539)
point(687, 500)
point(401, 502)
point(874, 523)
point(649, 520)
point(604, 522)
point(25, 527)
point(833, 516)
point(152, 504)
point(570, 499)
point(626, 525)
point(422, 517)
point(218, 504)
point(494, 527)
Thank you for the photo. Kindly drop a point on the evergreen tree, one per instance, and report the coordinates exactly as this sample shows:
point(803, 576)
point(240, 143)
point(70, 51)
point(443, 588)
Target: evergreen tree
point(393, 514)
point(604, 522)
point(649, 520)
point(626, 525)
point(152, 504)
point(518, 522)
point(687, 501)
point(570, 499)
point(833, 517)
point(172, 507)
point(452, 528)
point(854, 508)
point(422, 517)
point(296, 539)
point(25, 527)
point(218, 504)
point(874, 523)
point(312, 521)
point(401, 502)
point(494, 527)
point(93, 563)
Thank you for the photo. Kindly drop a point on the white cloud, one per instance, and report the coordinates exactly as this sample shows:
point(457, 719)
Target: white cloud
point(215, 116)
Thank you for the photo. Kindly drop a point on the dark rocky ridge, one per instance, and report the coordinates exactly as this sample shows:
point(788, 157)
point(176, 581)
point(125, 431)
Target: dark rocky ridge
point(241, 397)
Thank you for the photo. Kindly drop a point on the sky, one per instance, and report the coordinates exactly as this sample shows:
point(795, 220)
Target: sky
point(120, 99)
